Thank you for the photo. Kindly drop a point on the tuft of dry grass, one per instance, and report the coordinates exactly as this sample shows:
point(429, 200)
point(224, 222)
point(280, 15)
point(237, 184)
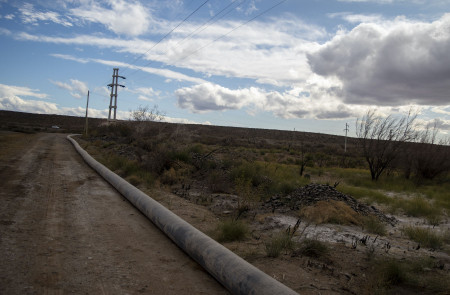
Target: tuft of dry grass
point(425, 236)
point(331, 211)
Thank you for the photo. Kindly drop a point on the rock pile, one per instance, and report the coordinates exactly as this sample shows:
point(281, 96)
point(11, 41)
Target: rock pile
point(313, 193)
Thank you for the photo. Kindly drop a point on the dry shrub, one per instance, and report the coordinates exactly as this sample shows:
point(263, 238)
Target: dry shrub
point(331, 212)
point(169, 177)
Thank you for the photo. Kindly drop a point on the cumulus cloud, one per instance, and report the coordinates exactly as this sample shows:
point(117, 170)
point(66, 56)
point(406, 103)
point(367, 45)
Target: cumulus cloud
point(29, 15)
point(76, 88)
point(294, 103)
point(7, 91)
point(394, 64)
point(122, 17)
point(15, 103)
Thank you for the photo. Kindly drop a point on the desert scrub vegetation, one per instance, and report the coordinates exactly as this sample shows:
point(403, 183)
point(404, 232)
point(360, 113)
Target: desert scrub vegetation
point(312, 248)
point(331, 211)
point(388, 273)
point(270, 178)
point(374, 226)
point(231, 230)
point(281, 241)
point(426, 237)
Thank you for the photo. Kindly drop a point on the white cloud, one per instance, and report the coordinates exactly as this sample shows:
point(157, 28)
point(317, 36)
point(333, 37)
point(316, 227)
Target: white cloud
point(7, 91)
point(10, 100)
point(295, 103)
point(398, 63)
point(270, 53)
point(15, 103)
point(444, 110)
point(31, 16)
point(5, 32)
point(122, 17)
point(76, 88)
point(358, 18)
point(145, 93)
point(169, 74)
point(313, 100)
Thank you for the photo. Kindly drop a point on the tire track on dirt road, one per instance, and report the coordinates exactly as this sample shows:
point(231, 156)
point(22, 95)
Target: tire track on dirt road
point(65, 230)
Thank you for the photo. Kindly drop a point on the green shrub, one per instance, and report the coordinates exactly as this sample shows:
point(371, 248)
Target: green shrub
point(392, 272)
point(231, 230)
point(373, 225)
point(313, 248)
point(387, 273)
point(279, 242)
point(419, 207)
point(424, 236)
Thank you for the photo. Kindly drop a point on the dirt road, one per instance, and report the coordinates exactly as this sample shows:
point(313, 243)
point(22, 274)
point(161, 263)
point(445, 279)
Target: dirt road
point(65, 230)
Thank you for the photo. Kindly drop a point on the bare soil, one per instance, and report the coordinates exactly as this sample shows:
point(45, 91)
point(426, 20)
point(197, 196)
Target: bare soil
point(65, 230)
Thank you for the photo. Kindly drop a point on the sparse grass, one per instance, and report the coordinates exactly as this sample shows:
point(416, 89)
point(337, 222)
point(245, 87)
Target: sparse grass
point(367, 194)
point(389, 272)
point(373, 225)
point(386, 274)
point(313, 248)
point(130, 170)
point(279, 242)
point(231, 230)
point(424, 236)
point(331, 212)
point(420, 207)
point(273, 178)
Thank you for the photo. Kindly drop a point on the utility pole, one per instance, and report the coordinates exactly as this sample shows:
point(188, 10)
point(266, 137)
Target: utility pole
point(113, 85)
point(346, 131)
point(86, 125)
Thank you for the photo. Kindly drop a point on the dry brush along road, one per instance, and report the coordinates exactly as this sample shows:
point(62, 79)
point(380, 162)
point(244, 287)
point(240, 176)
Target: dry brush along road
point(63, 229)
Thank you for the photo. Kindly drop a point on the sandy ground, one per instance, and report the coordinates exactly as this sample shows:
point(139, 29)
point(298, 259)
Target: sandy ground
point(65, 230)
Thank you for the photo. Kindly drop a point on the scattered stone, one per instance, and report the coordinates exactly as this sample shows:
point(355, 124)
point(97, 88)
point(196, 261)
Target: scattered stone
point(313, 193)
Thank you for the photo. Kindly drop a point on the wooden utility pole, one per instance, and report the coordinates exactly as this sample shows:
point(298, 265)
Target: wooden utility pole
point(346, 131)
point(113, 85)
point(87, 107)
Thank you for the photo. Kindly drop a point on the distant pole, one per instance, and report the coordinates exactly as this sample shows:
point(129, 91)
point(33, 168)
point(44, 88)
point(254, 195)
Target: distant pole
point(87, 107)
point(346, 131)
point(113, 85)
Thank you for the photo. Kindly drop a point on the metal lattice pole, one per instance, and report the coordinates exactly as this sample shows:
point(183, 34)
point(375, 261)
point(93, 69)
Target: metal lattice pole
point(113, 85)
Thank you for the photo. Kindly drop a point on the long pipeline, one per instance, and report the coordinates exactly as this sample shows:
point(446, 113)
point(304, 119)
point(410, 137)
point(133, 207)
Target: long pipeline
point(233, 272)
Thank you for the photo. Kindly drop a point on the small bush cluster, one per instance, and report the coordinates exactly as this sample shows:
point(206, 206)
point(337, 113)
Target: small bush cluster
point(313, 248)
point(425, 236)
point(331, 211)
point(374, 226)
point(279, 242)
point(386, 274)
point(231, 230)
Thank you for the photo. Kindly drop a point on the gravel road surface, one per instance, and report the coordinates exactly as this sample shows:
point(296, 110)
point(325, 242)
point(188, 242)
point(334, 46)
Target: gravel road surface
point(64, 230)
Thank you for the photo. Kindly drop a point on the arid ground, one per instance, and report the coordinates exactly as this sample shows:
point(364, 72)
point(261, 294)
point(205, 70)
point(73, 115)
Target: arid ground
point(63, 229)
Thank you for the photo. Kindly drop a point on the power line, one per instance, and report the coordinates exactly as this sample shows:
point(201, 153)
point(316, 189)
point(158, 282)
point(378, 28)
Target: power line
point(231, 31)
point(226, 34)
point(166, 35)
point(200, 28)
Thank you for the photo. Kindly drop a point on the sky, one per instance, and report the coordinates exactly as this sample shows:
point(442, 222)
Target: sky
point(305, 65)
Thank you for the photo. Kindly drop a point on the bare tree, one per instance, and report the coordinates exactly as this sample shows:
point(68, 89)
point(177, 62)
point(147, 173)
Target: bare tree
point(304, 159)
point(381, 139)
point(145, 113)
point(431, 155)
